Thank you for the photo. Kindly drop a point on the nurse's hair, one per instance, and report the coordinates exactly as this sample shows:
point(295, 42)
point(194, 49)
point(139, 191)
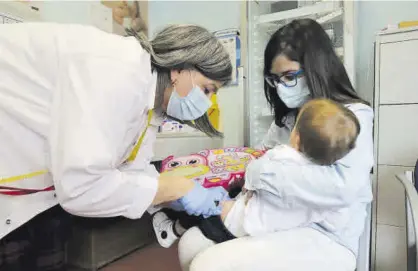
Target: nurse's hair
point(187, 47)
point(306, 42)
point(327, 131)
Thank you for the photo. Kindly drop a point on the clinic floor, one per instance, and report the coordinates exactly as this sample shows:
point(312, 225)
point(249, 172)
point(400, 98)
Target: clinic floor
point(151, 258)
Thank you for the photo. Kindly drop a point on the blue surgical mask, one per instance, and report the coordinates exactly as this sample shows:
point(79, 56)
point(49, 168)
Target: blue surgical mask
point(190, 107)
point(294, 97)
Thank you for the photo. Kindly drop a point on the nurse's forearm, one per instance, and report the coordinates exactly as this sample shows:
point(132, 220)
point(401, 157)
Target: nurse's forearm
point(172, 188)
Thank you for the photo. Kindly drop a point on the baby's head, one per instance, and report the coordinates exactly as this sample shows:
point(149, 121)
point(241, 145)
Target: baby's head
point(325, 131)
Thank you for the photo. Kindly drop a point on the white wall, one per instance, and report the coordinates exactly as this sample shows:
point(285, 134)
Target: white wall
point(373, 16)
point(51, 11)
point(214, 15)
point(65, 11)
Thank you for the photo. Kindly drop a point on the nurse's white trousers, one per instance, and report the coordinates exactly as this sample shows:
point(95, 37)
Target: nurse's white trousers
point(293, 250)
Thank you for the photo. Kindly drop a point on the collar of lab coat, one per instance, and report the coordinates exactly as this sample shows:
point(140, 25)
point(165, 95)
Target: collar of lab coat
point(152, 91)
point(289, 120)
point(158, 116)
point(151, 78)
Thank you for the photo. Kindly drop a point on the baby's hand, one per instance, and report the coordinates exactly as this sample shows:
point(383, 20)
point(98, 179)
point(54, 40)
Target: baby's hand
point(248, 195)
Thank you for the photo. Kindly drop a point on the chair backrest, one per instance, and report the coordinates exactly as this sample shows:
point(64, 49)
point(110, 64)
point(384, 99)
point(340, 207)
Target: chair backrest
point(411, 203)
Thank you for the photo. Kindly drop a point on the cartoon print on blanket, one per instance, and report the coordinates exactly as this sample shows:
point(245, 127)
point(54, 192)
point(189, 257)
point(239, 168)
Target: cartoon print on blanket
point(214, 167)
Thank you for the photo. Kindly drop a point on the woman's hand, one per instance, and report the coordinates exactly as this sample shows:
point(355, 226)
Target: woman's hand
point(248, 195)
point(204, 201)
point(178, 206)
point(186, 195)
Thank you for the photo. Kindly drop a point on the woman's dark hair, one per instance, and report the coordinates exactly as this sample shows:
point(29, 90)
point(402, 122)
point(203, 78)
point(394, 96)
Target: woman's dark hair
point(306, 42)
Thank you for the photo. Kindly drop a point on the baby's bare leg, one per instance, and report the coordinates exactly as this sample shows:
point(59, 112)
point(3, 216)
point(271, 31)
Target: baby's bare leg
point(226, 207)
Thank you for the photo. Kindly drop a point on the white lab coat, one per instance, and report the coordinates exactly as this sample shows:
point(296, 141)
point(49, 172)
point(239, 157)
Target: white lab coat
point(74, 100)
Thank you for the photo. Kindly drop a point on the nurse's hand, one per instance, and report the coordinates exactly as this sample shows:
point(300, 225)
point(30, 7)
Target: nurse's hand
point(204, 201)
point(176, 206)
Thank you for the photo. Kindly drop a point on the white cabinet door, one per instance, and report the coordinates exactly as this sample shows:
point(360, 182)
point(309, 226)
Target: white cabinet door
point(399, 72)
point(398, 134)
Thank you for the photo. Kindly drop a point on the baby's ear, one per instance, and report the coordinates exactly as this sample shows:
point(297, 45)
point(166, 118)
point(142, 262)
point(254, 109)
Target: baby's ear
point(295, 140)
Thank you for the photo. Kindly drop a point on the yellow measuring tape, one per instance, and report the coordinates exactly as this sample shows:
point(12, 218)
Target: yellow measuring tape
point(131, 158)
point(22, 177)
point(134, 152)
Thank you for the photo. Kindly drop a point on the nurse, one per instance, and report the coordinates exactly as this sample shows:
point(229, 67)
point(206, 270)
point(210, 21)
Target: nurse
point(79, 112)
point(300, 64)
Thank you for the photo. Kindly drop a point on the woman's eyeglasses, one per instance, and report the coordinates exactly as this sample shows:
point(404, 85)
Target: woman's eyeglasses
point(288, 79)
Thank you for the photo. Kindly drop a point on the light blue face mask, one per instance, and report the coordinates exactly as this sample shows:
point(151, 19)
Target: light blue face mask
point(294, 97)
point(190, 107)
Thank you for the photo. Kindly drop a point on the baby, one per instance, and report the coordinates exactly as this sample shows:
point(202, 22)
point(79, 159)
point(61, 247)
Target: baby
point(324, 132)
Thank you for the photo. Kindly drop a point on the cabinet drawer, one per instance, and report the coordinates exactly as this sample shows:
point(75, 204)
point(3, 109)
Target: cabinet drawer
point(398, 72)
point(398, 135)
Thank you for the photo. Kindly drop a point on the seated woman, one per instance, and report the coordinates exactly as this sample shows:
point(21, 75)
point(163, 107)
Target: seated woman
point(300, 64)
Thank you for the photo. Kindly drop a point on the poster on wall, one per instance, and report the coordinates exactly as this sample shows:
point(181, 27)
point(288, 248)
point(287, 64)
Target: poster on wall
point(127, 14)
point(231, 41)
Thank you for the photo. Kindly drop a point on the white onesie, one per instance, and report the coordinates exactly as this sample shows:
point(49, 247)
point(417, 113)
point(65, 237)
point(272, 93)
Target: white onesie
point(268, 209)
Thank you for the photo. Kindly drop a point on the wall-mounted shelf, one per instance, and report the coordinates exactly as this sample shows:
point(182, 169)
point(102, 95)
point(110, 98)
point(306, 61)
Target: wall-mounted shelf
point(339, 51)
point(181, 135)
point(331, 17)
point(316, 9)
point(266, 112)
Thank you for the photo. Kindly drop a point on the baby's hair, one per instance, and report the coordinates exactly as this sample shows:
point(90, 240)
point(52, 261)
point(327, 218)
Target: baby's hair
point(327, 131)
